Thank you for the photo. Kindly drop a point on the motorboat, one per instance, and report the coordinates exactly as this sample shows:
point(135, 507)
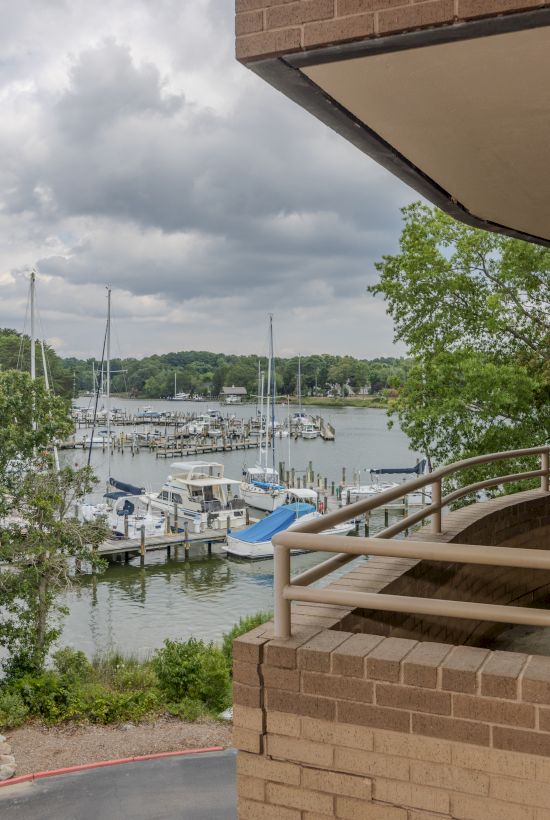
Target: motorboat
point(254, 542)
point(124, 512)
point(416, 498)
point(202, 496)
point(308, 430)
point(262, 489)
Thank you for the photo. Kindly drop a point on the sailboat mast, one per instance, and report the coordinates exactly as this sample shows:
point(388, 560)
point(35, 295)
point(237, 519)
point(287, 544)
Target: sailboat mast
point(108, 403)
point(175, 383)
point(261, 388)
point(273, 384)
point(47, 383)
point(33, 328)
point(300, 384)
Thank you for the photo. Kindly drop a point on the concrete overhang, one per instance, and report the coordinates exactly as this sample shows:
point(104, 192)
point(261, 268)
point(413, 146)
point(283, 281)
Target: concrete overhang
point(461, 113)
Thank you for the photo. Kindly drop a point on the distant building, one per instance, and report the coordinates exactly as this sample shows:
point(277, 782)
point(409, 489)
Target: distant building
point(233, 395)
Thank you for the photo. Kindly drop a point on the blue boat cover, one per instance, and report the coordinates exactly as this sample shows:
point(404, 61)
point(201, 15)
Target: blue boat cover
point(266, 485)
point(273, 523)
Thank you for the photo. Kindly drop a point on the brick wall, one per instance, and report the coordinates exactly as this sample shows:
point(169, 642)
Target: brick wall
point(267, 28)
point(336, 724)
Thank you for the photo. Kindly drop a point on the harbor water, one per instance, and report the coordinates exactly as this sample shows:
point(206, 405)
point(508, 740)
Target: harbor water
point(134, 608)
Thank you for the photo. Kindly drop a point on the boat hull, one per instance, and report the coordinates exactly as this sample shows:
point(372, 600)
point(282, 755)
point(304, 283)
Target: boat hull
point(264, 549)
point(267, 501)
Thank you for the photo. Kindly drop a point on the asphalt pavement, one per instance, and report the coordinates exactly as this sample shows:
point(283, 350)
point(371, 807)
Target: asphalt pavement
point(189, 787)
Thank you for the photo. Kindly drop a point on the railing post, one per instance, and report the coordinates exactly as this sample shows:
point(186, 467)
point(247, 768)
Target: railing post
point(436, 499)
point(544, 465)
point(281, 580)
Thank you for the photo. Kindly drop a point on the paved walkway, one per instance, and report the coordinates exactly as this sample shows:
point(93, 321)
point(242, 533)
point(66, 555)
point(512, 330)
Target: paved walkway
point(190, 787)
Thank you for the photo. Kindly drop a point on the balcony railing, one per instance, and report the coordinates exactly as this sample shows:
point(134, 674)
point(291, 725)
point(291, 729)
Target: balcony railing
point(309, 537)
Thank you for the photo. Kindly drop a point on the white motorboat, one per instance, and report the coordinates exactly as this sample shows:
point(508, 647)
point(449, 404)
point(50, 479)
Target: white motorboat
point(255, 541)
point(416, 498)
point(308, 430)
point(262, 489)
point(204, 498)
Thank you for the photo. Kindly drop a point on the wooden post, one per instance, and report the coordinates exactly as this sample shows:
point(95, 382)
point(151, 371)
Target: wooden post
point(247, 514)
point(332, 488)
point(175, 516)
point(298, 482)
point(325, 483)
point(186, 540)
point(348, 497)
point(386, 516)
point(142, 545)
point(126, 525)
point(210, 548)
point(367, 524)
point(281, 471)
point(293, 476)
point(325, 505)
point(343, 475)
point(166, 522)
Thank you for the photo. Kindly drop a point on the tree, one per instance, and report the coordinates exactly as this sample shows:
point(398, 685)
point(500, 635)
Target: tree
point(31, 419)
point(472, 308)
point(39, 536)
point(38, 549)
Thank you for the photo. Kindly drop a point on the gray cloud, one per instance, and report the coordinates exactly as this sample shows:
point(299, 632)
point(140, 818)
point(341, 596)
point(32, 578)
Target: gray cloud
point(186, 182)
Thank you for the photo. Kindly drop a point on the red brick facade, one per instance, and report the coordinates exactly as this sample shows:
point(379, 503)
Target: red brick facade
point(267, 28)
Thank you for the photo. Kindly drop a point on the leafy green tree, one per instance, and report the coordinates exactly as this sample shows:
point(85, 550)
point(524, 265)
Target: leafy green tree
point(15, 354)
point(472, 308)
point(39, 536)
point(40, 542)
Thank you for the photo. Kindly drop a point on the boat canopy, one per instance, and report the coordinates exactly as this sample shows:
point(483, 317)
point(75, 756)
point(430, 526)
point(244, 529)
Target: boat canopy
point(273, 523)
point(128, 489)
point(303, 494)
point(418, 469)
point(202, 469)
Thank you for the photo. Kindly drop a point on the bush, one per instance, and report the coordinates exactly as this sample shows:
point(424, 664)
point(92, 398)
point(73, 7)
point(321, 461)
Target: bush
point(187, 709)
point(245, 625)
point(12, 709)
point(72, 664)
point(193, 670)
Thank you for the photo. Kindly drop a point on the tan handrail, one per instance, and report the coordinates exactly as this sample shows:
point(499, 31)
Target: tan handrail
point(298, 537)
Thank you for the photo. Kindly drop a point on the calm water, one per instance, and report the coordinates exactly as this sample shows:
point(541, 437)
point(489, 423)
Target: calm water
point(135, 608)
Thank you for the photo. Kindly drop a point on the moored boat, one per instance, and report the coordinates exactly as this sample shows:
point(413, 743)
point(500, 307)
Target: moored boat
point(202, 496)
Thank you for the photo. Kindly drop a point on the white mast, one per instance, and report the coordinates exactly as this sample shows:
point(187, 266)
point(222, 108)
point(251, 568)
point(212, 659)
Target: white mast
point(108, 383)
point(47, 383)
point(300, 384)
point(273, 390)
point(33, 328)
point(261, 417)
point(175, 383)
point(267, 401)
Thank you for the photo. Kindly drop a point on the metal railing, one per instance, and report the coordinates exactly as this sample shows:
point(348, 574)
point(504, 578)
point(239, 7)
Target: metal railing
point(347, 549)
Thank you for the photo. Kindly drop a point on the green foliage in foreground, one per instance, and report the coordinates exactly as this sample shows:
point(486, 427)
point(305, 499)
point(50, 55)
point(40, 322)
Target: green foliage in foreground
point(188, 679)
point(472, 308)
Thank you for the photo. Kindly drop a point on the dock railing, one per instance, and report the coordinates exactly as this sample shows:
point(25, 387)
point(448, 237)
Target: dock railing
point(310, 537)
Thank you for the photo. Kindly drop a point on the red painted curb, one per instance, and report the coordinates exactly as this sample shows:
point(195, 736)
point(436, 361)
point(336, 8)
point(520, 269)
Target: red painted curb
point(25, 778)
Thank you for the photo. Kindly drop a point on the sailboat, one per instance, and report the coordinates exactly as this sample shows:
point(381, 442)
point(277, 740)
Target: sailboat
point(178, 396)
point(122, 511)
point(261, 487)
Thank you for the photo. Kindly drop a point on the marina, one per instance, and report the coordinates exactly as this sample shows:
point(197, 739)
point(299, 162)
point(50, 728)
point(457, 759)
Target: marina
point(136, 604)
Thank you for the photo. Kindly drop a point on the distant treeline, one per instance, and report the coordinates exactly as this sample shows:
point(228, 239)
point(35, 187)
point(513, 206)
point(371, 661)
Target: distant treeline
point(205, 373)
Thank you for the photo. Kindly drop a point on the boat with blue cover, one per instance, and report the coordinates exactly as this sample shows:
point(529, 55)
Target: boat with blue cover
point(255, 541)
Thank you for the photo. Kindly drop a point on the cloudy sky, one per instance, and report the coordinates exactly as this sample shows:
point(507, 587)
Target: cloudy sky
point(137, 152)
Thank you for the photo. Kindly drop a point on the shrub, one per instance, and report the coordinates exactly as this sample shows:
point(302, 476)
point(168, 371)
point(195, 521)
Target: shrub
point(192, 670)
point(187, 709)
point(72, 664)
point(245, 625)
point(12, 709)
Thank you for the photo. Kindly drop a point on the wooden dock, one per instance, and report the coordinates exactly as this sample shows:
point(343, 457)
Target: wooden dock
point(131, 546)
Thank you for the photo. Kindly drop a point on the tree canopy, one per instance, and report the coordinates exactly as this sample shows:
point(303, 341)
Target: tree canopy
point(472, 308)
